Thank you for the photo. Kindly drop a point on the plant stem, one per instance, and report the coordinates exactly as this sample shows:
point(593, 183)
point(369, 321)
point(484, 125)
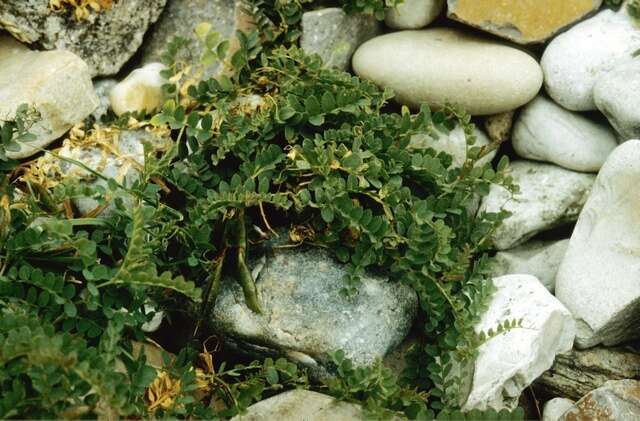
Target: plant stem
point(244, 274)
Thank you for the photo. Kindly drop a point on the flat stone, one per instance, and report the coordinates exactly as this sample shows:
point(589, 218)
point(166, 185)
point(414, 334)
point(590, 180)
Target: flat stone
point(140, 91)
point(538, 258)
point(413, 14)
point(106, 40)
point(549, 197)
point(335, 35)
point(611, 95)
point(616, 400)
point(443, 65)
point(56, 83)
point(509, 362)
point(306, 317)
point(298, 405)
point(522, 21)
point(598, 278)
point(498, 126)
point(181, 17)
point(453, 143)
point(578, 372)
point(545, 131)
point(554, 408)
point(574, 60)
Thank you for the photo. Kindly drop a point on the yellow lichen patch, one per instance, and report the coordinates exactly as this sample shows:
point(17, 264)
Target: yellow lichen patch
point(162, 393)
point(521, 20)
point(81, 8)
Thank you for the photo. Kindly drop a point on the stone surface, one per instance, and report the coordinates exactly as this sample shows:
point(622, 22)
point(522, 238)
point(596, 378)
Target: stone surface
point(598, 278)
point(105, 40)
point(334, 35)
point(453, 143)
point(511, 361)
point(305, 316)
point(103, 88)
point(611, 95)
point(545, 131)
point(574, 60)
point(522, 21)
point(180, 18)
point(580, 371)
point(554, 408)
point(440, 65)
point(498, 126)
point(413, 14)
point(549, 196)
point(140, 91)
point(56, 83)
point(617, 400)
point(298, 405)
point(538, 258)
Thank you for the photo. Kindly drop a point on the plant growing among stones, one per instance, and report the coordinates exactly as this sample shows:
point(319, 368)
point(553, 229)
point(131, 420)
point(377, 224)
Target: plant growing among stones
point(81, 8)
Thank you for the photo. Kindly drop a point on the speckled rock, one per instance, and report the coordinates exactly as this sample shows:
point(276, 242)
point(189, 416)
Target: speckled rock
point(453, 143)
point(140, 91)
point(305, 316)
point(509, 362)
point(298, 405)
point(56, 83)
point(413, 14)
point(522, 21)
point(545, 131)
point(549, 196)
point(578, 372)
point(554, 408)
point(334, 35)
point(574, 60)
point(444, 65)
point(538, 258)
point(498, 126)
point(617, 400)
point(611, 95)
point(105, 40)
point(598, 277)
point(103, 88)
point(180, 18)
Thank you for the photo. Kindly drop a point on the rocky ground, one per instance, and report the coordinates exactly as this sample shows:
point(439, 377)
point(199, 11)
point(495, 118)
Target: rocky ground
point(557, 84)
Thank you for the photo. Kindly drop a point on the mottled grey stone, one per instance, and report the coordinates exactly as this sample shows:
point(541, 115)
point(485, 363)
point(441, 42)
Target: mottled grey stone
point(102, 88)
point(306, 317)
point(335, 36)
point(617, 400)
point(105, 39)
point(611, 94)
point(578, 372)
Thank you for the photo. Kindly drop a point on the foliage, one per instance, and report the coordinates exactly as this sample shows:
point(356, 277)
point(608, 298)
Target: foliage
point(16, 130)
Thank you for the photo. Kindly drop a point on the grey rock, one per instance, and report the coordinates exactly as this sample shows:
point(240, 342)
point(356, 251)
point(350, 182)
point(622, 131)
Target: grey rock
point(554, 408)
point(335, 36)
point(102, 88)
point(413, 14)
point(545, 131)
point(305, 316)
point(299, 405)
point(181, 17)
point(612, 96)
point(615, 400)
point(598, 277)
point(549, 196)
point(538, 258)
point(578, 372)
point(57, 84)
point(498, 126)
point(105, 40)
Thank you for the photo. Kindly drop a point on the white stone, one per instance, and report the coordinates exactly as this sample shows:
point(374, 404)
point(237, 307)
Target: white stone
point(453, 143)
point(56, 83)
point(512, 360)
point(413, 14)
point(538, 258)
point(140, 91)
point(549, 196)
point(598, 278)
point(615, 94)
point(444, 65)
point(299, 405)
point(574, 60)
point(554, 408)
point(545, 131)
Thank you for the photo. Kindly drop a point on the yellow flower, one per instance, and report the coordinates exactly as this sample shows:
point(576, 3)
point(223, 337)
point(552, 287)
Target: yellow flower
point(163, 392)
